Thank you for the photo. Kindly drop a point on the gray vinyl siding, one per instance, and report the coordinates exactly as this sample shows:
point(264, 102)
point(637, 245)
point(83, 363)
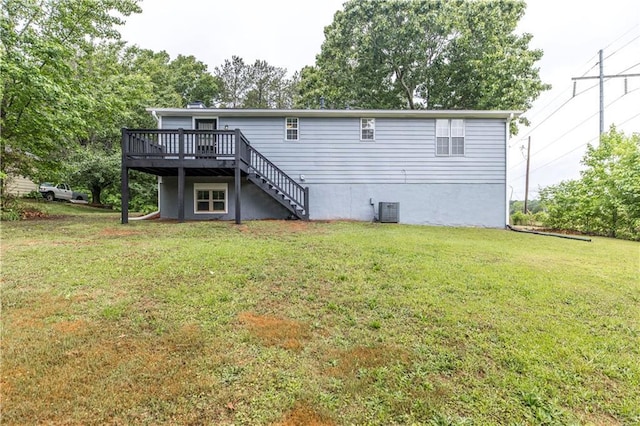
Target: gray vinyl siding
point(329, 150)
point(169, 122)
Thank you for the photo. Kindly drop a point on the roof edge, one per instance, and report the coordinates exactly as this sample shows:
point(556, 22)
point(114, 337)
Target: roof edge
point(370, 113)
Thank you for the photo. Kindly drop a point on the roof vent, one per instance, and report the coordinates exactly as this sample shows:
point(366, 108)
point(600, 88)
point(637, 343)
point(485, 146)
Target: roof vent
point(196, 104)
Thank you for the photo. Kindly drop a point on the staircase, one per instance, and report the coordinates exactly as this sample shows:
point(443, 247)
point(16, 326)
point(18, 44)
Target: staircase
point(276, 183)
point(211, 153)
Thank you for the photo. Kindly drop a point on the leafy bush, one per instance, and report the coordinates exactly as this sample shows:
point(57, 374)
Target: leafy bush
point(33, 195)
point(12, 209)
point(519, 219)
point(606, 198)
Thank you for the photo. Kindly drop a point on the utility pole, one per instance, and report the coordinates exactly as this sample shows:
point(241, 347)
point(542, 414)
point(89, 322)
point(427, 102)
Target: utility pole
point(601, 92)
point(601, 77)
point(526, 185)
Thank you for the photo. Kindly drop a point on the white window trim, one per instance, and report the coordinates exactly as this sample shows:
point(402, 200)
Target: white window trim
point(211, 187)
point(450, 136)
point(464, 138)
point(204, 117)
point(362, 128)
point(297, 129)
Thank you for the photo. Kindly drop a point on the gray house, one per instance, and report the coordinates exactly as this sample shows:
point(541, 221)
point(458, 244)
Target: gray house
point(410, 166)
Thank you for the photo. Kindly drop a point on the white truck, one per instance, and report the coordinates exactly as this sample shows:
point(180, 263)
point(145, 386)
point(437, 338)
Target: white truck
point(61, 191)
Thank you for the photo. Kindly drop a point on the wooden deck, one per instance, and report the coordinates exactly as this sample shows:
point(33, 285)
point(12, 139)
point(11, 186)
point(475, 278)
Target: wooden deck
point(180, 152)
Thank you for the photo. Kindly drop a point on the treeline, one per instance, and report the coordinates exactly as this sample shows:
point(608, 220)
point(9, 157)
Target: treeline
point(69, 84)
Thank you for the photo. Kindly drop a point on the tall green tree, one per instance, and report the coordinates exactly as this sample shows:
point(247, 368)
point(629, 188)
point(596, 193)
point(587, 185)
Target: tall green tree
point(395, 54)
point(235, 77)
point(257, 85)
point(42, 111)
point(265, 82)
point(192, 80)
point(156, 66)
point(606, 199)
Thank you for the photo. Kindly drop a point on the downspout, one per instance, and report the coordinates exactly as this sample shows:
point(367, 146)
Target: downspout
point(506, 167)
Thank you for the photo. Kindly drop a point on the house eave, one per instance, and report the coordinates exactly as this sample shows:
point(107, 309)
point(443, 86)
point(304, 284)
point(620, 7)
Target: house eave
point(334, 113)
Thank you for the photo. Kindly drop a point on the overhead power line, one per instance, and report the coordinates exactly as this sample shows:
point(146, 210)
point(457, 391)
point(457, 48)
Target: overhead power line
point(622, 47)
point(574, 128)
point(574, 149)
point(543, 108)
point(632, 66)
point(588, 61)
point(601, 77)
point(621, 36)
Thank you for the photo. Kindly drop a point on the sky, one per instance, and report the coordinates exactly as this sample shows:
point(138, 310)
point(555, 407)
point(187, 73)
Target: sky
point(289, 34)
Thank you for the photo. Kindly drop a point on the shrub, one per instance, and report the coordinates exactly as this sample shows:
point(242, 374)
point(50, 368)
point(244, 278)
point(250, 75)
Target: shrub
point(519, 218)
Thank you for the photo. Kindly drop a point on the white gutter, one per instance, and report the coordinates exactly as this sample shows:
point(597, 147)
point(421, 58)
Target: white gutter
point(335, 113)
point(506, 166)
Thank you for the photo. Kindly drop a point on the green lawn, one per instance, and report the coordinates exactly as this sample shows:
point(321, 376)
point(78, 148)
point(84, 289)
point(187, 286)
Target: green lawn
point(285, 322)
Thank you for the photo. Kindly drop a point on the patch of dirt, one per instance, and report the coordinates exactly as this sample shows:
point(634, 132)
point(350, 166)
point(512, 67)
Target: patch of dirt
point(71, 327)
point(597, 419)
point(304, 415)
point(349, 361)
point(116, 232)
point(297, 225)
point(31, 214)
point(37, 311)
point(273, 331)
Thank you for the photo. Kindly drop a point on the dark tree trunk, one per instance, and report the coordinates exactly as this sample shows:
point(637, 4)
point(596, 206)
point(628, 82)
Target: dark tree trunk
point(95, 195)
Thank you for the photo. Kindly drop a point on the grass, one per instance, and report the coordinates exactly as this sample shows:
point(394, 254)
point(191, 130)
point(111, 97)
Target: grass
point(314, 323)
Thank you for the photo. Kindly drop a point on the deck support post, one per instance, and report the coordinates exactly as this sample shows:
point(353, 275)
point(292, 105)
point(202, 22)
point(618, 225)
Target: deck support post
point(180, 194)
point(238, 174)
point(124, 199)
point(306, 202)
point(181, 175)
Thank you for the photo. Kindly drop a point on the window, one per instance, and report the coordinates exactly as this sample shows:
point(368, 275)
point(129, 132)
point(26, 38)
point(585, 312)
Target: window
point(210, 197)
point(367, 129)
point(291, 129)
point(450, 138)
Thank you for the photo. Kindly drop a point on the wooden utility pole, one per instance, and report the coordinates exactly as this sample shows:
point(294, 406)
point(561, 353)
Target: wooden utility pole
point(526, 185)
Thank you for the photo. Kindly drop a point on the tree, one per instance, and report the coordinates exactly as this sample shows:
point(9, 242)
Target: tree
point(606, 199)
point(394, 54)
point(265, 83)
point(156, 66)
point(43, 101)
point(259, 85)
point(96, 170)
point(234, 75)
point(192, 81)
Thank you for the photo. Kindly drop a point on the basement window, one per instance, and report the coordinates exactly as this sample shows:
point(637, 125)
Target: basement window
point(291, 128)
point(450, 138)
point(210, 198)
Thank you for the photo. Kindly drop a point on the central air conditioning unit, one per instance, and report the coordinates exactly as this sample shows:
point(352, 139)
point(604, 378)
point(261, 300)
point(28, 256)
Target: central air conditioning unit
point(389, 212)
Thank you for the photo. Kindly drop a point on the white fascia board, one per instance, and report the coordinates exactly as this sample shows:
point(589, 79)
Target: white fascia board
point(334, 113)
